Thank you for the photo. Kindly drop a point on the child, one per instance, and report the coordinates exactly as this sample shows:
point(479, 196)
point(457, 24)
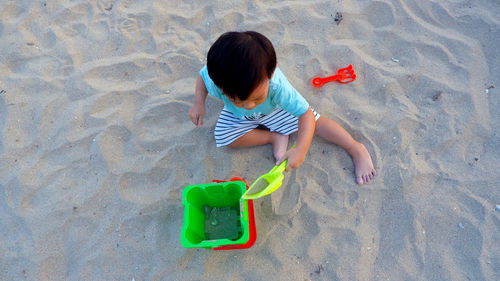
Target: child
point(262, 107)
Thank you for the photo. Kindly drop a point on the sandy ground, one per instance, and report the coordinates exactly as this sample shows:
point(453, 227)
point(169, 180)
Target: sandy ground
point(96, 144)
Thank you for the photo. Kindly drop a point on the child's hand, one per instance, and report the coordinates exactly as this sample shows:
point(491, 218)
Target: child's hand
point(197, 113)
point(295, 156)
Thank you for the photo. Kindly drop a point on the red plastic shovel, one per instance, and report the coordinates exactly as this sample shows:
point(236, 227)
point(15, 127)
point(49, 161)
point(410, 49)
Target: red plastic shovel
point(344, 75)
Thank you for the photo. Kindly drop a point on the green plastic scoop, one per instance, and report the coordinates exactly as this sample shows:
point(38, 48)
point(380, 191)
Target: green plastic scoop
point(267, 183)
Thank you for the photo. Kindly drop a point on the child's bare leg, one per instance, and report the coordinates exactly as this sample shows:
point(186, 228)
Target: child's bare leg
point(260, 137)
point(333, 132)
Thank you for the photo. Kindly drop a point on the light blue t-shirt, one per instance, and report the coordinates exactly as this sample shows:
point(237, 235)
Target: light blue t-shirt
point(281, 94)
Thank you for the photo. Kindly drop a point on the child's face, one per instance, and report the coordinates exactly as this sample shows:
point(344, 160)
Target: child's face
point(257, 97)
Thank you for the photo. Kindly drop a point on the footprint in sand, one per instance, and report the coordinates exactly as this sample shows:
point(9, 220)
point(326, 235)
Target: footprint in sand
point(287, 199)
point(274, 30)
point(155, 122)
point(299, 51)
point(75, 20)
point(158, 120)
point(175, 66)
point(352, 197)
point(229, 21)
point(121, 76)
point(134, 23)
point(321, 178)
point(114, 144)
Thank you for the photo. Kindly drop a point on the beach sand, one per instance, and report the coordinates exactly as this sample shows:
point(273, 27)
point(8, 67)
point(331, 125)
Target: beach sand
point(96, 144)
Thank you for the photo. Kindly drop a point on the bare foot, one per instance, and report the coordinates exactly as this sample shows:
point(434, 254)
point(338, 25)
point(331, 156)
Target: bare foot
point(362, 163)
point(280, 143)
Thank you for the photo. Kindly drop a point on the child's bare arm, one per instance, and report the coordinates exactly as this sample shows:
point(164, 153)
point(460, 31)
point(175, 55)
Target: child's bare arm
point(297, 155)
point(197, 112)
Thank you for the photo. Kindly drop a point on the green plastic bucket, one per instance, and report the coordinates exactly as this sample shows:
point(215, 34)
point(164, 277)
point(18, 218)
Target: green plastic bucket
point(214, 215)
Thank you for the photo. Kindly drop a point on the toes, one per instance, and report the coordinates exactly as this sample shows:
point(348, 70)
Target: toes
point(359, 180)
point(364, 178)
point(367, 177)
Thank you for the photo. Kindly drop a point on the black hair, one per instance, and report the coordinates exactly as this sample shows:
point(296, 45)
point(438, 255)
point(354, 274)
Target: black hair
point(239, 61)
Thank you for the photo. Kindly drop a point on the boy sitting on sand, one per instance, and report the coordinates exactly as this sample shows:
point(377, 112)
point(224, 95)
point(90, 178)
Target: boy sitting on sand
point(261, 106)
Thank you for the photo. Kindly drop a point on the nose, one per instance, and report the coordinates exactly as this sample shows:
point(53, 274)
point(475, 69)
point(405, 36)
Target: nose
point(249, 105)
